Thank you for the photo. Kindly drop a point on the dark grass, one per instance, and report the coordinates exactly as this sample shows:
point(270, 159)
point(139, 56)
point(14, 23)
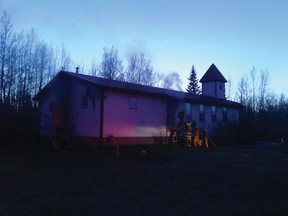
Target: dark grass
point(164, 181)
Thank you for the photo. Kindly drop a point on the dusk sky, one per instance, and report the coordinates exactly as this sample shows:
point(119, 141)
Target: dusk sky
point(174, 34)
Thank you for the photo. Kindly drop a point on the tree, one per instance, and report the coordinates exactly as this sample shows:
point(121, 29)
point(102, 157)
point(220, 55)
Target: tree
point(261, 118)
point(65, 60)
point(263, 88)
point(229, 90)
point(94, 68)
point(7, 40)
point(253, 90)
point(243, 91)
point(193, 85)
point(139, 70)
point(111, 65)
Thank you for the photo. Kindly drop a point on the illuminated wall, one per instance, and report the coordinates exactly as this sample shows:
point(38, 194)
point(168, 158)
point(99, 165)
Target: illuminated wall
point(123, 119)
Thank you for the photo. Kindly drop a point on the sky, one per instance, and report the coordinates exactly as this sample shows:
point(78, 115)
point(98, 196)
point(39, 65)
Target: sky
point(175, 34)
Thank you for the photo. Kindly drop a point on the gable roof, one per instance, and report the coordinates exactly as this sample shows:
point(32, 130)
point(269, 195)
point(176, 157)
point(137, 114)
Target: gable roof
point(109, 84)
point(126, 86)
point(213, 74)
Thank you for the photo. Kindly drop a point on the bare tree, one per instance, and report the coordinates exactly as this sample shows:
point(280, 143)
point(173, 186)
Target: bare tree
point(111, 65)
point(253, 89)
point(139, 70)
point(11, 71)
point(243, 91)
point(41, 64)
point(253, 93)
point(263, 88)
point(65, 60)
point(7, 40)
point(26, 70)
point(94, 68)
point(52, 65)
point(228, 89)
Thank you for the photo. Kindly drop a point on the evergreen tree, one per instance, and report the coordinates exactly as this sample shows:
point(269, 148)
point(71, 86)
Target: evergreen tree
point(193, 85)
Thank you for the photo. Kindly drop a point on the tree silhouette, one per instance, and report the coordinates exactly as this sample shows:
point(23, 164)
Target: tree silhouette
point(139, 70)
point(111, 65)
point(193, 85)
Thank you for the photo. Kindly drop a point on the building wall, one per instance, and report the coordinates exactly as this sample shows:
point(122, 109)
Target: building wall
point(145, 119)
point(129, 117)
point(211, 121)
point(214, 89)
point(85, 117)
point(55, 97)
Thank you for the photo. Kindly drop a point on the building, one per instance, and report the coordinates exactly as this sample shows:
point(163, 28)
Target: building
point(92, 110)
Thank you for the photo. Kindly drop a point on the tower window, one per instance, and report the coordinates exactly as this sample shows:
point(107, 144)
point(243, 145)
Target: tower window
point(220, 87)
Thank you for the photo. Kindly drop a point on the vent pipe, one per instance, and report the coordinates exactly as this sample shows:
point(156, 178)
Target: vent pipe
point(77, 70)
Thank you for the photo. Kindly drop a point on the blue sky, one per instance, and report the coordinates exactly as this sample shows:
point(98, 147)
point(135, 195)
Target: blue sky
point(174, 34)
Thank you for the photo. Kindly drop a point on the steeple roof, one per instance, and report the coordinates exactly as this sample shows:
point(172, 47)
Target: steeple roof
point(212, 75)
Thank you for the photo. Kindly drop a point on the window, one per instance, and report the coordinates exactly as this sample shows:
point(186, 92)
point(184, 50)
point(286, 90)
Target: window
point(84, 102)
point(220, 87)
point(202, 112)
point(133, 103)
point(224, 113)
point(188, 111)
point(213, 113)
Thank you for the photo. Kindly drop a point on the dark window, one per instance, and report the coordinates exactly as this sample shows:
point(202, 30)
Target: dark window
point(188, 111)
point(133, 103)
point(202, 112)
point(213, 113)
point(224, 113)
point(220, 87)
point(84, 102)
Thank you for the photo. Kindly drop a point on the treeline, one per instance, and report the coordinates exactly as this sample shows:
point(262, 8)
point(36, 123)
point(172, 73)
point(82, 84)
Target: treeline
point(264, 115)
point(26, 64)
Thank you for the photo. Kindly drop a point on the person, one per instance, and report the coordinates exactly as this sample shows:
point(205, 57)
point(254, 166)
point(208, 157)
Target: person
point(205, 138)
point(181, 116)
point(197, 141)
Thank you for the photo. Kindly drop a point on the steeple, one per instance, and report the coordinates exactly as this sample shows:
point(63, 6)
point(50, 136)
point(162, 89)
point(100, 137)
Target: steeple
point(213, 83)
point(213, 74)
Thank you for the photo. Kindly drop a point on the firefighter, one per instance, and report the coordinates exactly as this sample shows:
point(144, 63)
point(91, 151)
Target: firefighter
point(181, 116)
point(205, 138)
point(197, 140)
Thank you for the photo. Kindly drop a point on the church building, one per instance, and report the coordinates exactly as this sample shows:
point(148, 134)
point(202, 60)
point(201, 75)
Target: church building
point(91, 110)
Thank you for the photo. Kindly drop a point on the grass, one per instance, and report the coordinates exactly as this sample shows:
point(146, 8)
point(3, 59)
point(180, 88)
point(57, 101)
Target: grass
point(170, 181)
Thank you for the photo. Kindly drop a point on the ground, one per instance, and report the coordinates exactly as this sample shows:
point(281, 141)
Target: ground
point(249, 180)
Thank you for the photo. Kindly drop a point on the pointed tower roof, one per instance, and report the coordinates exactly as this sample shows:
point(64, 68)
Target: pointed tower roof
point(213, 74)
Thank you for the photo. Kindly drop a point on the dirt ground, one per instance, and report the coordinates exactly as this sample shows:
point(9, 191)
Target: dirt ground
point(249, 180)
